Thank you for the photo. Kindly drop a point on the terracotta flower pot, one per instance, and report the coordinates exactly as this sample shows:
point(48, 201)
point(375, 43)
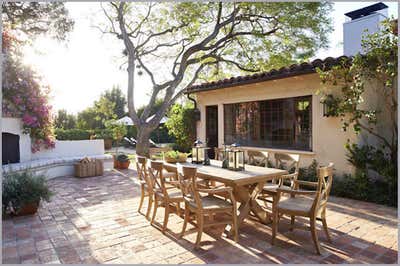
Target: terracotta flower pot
point(122, 165)
point(28, 209)
point(107, 144)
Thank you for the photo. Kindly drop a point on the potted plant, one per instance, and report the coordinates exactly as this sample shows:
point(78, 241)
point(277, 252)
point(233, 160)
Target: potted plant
point(107, 136)
point(118, 131)
point(122, 161)
point(175, 157)
point(22, 193)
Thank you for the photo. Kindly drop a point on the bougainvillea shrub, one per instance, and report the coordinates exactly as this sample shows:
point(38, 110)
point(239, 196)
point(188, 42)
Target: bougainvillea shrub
point(24, 95)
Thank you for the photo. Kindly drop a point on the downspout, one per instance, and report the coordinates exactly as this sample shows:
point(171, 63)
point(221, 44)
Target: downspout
point(193, 100)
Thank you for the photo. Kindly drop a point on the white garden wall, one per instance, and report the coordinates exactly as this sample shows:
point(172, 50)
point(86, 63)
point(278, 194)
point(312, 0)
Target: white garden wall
point(72, 148)
point(53, 162)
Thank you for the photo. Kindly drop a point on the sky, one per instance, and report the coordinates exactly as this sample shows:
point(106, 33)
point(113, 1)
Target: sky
point(79, 70)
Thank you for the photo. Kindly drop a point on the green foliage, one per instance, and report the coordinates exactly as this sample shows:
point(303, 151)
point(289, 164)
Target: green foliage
point(360, 187)
point(116, 96)
point(64, 120)
point(103, 133)
point(367, 158)
point(182, 125)
point(378, 68)
point(110, 105)
point(23, 188)
point(122, 158)
point(118, 131)
point(73, 134)
point(309, 173)
point(38, 18)
point(175, 154)
point(357, 186)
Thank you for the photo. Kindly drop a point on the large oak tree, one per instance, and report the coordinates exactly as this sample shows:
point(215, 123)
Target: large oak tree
point(177, 44)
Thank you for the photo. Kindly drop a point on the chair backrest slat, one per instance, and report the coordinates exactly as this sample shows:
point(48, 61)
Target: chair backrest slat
point(141, 168)
point(287, 161)
point(187, 176)
point(257, 157)
point(156, 177)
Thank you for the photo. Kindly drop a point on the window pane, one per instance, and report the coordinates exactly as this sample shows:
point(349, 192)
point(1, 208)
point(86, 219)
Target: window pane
point(280, 123)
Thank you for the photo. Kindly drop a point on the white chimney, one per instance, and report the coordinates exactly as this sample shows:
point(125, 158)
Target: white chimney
point(357, 21)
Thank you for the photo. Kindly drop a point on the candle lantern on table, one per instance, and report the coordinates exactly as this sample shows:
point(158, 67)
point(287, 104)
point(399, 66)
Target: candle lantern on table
point(235, 158)
point(198, 152)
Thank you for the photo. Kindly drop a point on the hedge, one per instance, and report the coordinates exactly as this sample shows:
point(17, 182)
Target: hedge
point(73, 134)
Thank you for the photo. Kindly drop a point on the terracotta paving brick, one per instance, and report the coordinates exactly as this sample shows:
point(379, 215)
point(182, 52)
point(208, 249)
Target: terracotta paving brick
point(95, 220)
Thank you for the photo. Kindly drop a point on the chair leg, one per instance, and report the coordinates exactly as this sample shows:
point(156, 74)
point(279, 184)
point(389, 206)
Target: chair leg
point(275, 222)
point(178, 209)
point(166, 216)
point(292, 219)
point(155, 209)
point(325, 225)
point(199, 221)
point(186, 220)
point(141, 198)
point(235, 225)
point(149, 206)
point(314, 235)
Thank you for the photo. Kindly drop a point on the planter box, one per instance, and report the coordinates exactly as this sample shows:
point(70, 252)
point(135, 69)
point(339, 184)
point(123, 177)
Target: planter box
point(88, 167)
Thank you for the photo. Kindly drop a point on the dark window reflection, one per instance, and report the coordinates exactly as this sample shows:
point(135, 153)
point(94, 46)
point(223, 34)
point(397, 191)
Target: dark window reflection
point(281, 123)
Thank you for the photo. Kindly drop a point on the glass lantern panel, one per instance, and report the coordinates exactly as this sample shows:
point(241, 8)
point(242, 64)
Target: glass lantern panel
point(239, 158)
point(201, 154)
point(231, 159)
point(194, 155)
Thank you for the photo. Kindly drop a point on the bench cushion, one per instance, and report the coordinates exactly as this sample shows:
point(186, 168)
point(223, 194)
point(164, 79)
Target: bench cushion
point(34, 164)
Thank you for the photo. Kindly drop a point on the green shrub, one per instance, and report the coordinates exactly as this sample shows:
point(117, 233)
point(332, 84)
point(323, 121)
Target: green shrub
point(182, 125)
point(103, 134)
point(356, 186)
point(309, 173)
point(23, 188)
point(73, 134)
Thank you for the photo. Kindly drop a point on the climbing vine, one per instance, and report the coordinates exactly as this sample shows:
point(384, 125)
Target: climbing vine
point(24, 96)
point(377, 69)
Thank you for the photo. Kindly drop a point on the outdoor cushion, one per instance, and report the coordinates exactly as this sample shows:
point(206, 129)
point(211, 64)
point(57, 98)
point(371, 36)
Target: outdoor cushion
point(212, 202)
point(299, 204)
point(16, 167)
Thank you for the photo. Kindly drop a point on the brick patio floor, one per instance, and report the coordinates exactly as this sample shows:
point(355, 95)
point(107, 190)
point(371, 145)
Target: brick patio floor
point(95, 220)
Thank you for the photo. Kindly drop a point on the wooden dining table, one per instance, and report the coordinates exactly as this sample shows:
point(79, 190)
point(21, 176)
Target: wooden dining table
point(246, 184)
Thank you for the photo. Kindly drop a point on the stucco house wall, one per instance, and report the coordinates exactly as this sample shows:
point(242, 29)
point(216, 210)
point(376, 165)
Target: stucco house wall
point(328, 139)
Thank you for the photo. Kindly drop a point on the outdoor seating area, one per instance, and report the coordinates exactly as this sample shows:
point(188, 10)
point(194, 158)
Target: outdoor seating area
point(216, 133)
point(96, 220)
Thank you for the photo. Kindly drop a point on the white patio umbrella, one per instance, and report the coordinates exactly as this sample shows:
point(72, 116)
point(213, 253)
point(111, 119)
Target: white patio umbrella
point(126, 120)
point(162, 121)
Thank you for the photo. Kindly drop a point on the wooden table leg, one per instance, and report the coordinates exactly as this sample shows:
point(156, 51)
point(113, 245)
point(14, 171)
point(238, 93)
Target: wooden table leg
point(264, 216)
point(247, 196)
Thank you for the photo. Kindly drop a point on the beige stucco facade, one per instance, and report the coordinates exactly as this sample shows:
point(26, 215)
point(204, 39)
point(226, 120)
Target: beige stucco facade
point(328, 139)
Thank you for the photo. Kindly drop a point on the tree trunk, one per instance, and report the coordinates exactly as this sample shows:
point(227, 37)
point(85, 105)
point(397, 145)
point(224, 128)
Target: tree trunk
point(143, 144)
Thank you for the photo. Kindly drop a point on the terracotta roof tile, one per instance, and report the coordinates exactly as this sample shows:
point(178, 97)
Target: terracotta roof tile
point(283, 72)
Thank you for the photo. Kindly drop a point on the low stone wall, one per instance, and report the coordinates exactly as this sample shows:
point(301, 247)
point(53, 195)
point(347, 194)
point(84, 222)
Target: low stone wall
point(72, 148)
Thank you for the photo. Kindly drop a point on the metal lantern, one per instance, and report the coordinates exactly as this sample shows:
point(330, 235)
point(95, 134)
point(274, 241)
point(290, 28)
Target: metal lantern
point(198, 152)
point(235, 158)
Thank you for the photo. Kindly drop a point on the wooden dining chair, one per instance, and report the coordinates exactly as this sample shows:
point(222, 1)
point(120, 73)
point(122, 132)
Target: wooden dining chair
point(289, 162)
point(146, 189)
point(219, 153)
point(205, 206)
point(257, 158)
point(306, 203)
point(166, 192)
